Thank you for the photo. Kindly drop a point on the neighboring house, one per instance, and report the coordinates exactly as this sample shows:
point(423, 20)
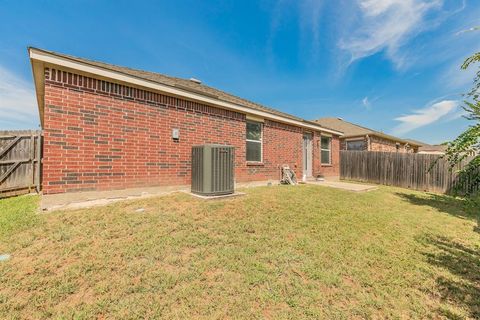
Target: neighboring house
point(416, 142)
point(358, 138)
point(439, 149)
point(110, 127)
point(426, 148)
point(432, 149)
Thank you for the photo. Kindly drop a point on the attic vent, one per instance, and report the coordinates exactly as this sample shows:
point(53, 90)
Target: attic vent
point(196, 80)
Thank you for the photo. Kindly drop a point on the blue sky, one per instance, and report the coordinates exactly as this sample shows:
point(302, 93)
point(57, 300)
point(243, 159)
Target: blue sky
point(392, 65)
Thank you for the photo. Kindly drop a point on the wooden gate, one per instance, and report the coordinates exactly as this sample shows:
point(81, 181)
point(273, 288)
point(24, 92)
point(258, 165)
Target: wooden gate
point(20, 162)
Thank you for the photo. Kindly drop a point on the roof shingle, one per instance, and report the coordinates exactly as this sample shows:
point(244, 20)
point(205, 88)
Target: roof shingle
point(353, 130)
point(180, 83)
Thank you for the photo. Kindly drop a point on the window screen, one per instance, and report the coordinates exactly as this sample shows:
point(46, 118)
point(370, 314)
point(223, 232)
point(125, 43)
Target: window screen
point(254, 141)
point(325, 150)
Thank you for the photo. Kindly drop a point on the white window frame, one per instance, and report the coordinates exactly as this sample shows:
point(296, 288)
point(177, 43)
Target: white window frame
point(255, 141)
point(329, 151)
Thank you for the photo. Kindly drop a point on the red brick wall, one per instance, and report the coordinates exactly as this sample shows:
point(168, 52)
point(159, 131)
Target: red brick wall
point(282, 145)
point(100, 135)
point(319, 169)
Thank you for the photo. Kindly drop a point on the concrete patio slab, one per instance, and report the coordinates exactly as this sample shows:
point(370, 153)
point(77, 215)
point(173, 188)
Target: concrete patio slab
point(88, 199)
point(219, 197)
point(355, 187)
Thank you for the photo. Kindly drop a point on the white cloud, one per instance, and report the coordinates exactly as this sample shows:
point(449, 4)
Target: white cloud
point(454, 78)
point(387, 25)
point(422, 117)
point(18, 105)
point(464, 44)
point(467, 30)
point(366, 102)
point(310, 17)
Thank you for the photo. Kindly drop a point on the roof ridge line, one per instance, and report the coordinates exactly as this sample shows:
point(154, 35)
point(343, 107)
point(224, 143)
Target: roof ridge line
point(173, 84)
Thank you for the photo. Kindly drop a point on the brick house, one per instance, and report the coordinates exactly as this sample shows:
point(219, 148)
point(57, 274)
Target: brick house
point(358, 138)
point(110, 127)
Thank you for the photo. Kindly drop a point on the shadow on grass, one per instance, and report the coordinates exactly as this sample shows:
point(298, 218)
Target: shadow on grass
point(464, 263)
point(457, 207)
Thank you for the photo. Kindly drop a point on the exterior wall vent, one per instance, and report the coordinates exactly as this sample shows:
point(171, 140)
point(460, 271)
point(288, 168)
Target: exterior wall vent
point(213, 169)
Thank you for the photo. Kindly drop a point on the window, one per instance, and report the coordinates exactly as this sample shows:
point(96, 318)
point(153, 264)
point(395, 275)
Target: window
point(325, 147)
point(356, 145)
point(254, 141)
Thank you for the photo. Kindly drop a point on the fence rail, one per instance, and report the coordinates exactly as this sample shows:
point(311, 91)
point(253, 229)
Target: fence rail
point(20, 161)
point(425, 172)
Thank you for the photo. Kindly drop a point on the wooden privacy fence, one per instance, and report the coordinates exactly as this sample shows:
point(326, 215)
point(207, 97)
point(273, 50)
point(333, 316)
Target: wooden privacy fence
point(407, 170)
point(20, 161)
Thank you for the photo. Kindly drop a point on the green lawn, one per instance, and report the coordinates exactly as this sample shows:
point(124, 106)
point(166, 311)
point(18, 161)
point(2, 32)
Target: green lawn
point(277, 253)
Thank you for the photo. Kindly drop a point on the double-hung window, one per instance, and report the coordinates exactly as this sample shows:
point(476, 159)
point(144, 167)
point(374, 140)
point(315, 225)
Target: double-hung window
point(325, 150)
point(254, 141)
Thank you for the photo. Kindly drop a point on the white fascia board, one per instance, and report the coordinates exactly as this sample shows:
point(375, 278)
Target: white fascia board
point(356, 138)
point(39, 81)
point(50, 58)
point(254, 118)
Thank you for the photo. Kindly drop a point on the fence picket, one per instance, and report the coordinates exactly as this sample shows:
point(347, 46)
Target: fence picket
point(423, 172)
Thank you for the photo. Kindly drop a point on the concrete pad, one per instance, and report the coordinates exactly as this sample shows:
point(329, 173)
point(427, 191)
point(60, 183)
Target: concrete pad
point(223, 196)
point(254, 184)
point(88, 199)
point(79, 200)
point(355, 187)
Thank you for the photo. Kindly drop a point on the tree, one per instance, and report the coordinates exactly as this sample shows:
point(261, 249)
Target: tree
point(468, 143)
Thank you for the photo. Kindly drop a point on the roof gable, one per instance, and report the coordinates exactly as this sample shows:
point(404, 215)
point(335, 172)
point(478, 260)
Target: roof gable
point(353, 130)
point(183, 85)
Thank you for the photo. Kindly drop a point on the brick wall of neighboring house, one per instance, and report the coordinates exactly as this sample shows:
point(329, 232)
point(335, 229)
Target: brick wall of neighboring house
point(100, 135)
point(380, 144)
point(385, 145)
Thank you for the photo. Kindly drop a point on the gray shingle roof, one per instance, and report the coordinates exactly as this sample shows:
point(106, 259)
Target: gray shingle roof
point(348, 129)
point(180, 83)
point(413, 141)
point(353, 130)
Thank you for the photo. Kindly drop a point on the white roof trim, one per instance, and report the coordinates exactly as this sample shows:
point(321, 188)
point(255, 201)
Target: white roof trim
point(49, 58)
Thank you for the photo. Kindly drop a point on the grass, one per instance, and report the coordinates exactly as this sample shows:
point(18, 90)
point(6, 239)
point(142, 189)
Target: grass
point(17, 214)
point(277, 253)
